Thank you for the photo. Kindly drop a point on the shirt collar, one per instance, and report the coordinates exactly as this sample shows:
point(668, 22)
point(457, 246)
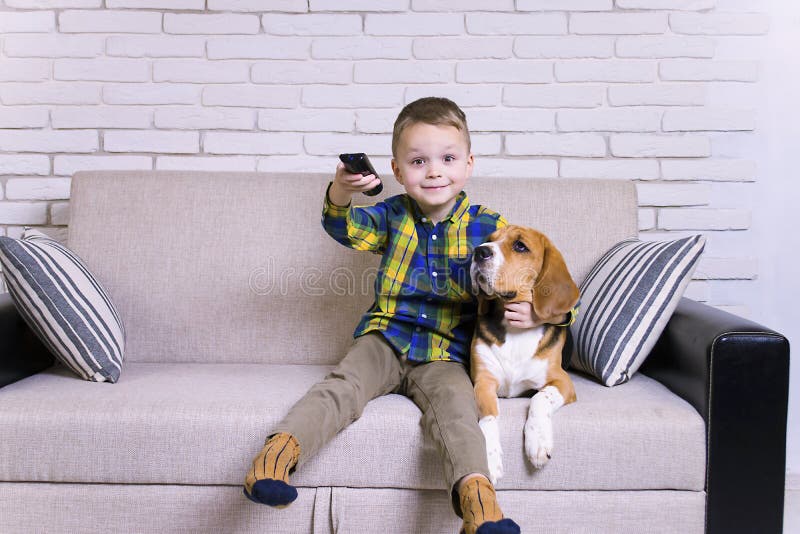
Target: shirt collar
point(459, 209)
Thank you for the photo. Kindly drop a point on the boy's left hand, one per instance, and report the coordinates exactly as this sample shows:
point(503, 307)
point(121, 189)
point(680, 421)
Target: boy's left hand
point(520, 314)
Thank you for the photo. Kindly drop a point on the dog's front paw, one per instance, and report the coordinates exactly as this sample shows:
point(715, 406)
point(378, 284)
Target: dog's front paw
point(539, 440)
point(494, 451)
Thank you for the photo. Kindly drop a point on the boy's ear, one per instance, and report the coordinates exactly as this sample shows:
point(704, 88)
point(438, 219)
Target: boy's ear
point(396, 171)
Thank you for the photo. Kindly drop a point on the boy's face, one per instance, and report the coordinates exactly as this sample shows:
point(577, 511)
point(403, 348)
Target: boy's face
point(433, 164)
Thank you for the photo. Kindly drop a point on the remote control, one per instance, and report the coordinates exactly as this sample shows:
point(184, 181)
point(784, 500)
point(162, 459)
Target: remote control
point(359, 163)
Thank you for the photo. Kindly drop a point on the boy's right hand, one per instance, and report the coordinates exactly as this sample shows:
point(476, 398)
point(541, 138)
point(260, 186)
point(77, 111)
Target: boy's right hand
point(346, 184)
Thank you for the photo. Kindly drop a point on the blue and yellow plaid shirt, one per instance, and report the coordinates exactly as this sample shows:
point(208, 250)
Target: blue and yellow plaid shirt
point(423, 300)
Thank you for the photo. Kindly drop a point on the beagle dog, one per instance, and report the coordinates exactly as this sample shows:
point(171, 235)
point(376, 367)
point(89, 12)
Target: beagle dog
point(521, 264)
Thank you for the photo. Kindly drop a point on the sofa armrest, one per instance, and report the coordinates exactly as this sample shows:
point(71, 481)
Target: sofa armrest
point(21, 352)
point(736, 374)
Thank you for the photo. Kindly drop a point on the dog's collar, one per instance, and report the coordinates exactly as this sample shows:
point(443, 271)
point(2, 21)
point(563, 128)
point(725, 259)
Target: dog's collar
point(571, 316)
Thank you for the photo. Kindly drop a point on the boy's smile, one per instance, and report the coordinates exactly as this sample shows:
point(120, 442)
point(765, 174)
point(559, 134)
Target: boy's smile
point(433, 164)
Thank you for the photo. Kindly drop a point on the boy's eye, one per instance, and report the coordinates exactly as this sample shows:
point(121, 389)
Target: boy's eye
point(449, 158)
point(417, 161)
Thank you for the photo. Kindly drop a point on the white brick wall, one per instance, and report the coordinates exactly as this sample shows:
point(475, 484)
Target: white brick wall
point(654, 91)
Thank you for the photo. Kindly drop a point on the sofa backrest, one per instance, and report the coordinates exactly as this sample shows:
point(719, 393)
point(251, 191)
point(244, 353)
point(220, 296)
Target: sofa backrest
point(235, 267)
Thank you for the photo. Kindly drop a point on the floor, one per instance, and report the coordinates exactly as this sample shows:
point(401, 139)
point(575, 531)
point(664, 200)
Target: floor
point(791, 512)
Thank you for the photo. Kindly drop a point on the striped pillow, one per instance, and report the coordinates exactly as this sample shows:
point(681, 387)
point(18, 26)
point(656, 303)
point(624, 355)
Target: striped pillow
point(64, 305)
point(626, 301)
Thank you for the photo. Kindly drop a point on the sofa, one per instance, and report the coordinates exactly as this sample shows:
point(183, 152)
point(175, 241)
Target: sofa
point(235, 302)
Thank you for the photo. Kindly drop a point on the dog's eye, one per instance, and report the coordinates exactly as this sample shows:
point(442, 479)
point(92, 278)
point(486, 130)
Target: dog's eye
point(519, 246)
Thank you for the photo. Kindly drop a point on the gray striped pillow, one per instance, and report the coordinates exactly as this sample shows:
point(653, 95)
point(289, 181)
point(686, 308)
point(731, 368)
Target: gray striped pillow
point(64, 305)
point(626, 301)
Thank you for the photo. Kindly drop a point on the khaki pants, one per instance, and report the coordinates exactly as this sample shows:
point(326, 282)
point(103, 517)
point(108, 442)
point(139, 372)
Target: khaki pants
point(442, 390)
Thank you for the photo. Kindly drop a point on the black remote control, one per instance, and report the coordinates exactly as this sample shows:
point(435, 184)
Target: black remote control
point(359, 163)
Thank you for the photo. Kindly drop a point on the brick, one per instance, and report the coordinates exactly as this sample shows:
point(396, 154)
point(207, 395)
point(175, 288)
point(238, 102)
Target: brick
point(662, 46)
point(703, 219)
point(69, 165)
point(258, 47)
point(25, 70)
point(38, 188)
point(102, 117)
point(380, 72)
point(283, 6)
point(617, 23)
point(160, 46)
point(27, 213)
point(564, 47)
point(462, 5)
point(24, 117)
point(465, 95)
point(306, 163)
point(102, 70)
point(416, 24)
point(708, 70)
point(28, 22)
point(719, 23)
point(654, 146)
point(511, 120)
point(723, 268)
point(657, 95)
point(698, 291)
point(46, 141)
point(708, 119)
point(553, 96)
point(277, 24)
point(715, 170)
point(462, 48)
point(675, 194)
point(50, 4)
point(328, 144)
point(252, 143)
point(374, 121)
point(357, 5)
point(575, 145)
point(57, 45)
point(527, 168)
point(486, 144)
point(206, 163)
point(646, 219)
point(227, 23)
point(304, 120)
point(361, 48)
point(251, 96)
point(145, 93)
point(24, 164)
point(516, 23)
point(205, 118)
point(522, 71)
point(13, 94)
point(199, 71)
point(152, 141)
point(623, 169)
point(688, 5)
point(107, 21)
point(157, 4)
point(605, 71)
point(565, 5)
point(302, 72)
point(609, 120)
point(363, 96)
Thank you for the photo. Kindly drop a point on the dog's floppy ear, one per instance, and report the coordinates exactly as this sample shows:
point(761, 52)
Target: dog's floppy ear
point(555, 293)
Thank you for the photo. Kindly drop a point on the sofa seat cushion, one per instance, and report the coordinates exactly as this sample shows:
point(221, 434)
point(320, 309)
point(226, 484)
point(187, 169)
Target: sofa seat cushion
point(165, 423)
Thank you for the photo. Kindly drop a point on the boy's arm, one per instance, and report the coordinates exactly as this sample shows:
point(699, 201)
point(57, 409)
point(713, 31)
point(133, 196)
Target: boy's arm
point(360, 228)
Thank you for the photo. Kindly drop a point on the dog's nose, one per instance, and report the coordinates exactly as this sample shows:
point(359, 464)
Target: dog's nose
point(483, 253)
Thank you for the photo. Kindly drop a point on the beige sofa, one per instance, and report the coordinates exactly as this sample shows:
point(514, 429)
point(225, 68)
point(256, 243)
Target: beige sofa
point(235, 301)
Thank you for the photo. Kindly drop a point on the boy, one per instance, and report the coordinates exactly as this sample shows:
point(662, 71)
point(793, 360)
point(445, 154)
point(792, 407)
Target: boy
point(415, 338)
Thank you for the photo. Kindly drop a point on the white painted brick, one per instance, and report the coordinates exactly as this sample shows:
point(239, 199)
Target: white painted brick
point(485, 71)
point(708, 70)
point(205, 118)
point(24, 164)
point(102, 117)
point(471, 95)
point(50, 4)
point(528, 168)
point(147, 93)
point(564, 47)
point(719, 23)
point(647, 219)
point(605, 71)
point(617, 23)
point(332, 144)
point(609, 120)
point(511, 120)
point(27, 22)
point(739, 47)
point(575, 145)
point(25, 70)
point(715, 170)
point(305, 120)
point(306, 163)
point(338, 24)
point(24, 117)
point(55, 45)
point(37, 188)
point(221, 24)
point(198, 71)
point(47, 141)
point(624, 169)
point(688, 5)
point(27, 213)
point(692, 120)
point(416, 24)
point(102, 70)
point(12, 94)
point(252, 143)
point(59, 213)
point(251, 96)
point(69, 165)
point(664, 46)
point(657, 95)
point(703, 219)
point(654, 146)
point(107, 21)
point(716, 268)
point(486, 144)
point(565, 5)
point(317, 96)
point(283, 6)
point(152, 141)
point(207, 163)
point(361, 48)
point(258, 47)
point(698, 291)
point(357, 5)
point(674, 194)
point(156, 46)
point(374, 121)
point(462, 48)
point(516, 23)
point(381, 72)
point(462, 5)
point(735, 309)
point(302, 72)
point(553, 96)
point(157, 4)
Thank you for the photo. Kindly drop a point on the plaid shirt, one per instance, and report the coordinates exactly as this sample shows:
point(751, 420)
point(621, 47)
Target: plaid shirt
point(423, 300)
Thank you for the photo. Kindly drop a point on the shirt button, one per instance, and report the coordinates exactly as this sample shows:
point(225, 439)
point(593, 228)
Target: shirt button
point(433, 237)
point(424, 219)
point(424, 316)
point(434, 274)
point(418, 329)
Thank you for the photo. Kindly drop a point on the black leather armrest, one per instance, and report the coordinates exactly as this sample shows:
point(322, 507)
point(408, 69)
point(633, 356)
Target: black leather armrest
point(736, 374)
point(21, 352)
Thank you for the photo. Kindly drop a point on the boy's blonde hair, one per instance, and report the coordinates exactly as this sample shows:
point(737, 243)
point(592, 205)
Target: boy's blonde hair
point(430, 110)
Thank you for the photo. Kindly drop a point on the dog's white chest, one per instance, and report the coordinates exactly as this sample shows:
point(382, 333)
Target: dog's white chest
point(513, 363)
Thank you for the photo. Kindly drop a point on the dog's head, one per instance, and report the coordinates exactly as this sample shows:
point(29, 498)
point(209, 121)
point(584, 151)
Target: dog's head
point(521, 264)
